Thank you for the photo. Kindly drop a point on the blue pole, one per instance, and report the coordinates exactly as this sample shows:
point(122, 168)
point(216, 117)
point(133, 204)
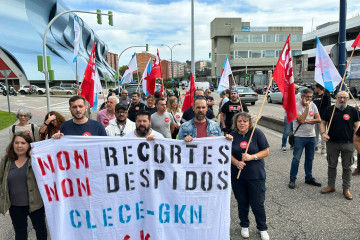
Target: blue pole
point(342, 38)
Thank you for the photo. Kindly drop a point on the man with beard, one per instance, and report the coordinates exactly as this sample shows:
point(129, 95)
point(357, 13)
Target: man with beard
point(143, 129)
point(340, 140)
point(135, 106)
point(80, 124)
point(199, 126)
point(121, 125)
point(124, 97)
point(189, 112)
point(229, 109)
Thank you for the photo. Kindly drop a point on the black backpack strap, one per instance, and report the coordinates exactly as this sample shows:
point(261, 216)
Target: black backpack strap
point(13, 128)
point(33, 130)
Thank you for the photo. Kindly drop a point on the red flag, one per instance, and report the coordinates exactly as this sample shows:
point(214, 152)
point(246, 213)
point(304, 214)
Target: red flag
point(356, 43)
point(155, 73)
point(189, 97)
point(87, 85)
point(283, 76)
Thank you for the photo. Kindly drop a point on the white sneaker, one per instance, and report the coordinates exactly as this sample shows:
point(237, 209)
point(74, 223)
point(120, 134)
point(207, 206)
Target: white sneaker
point(323, 150)
point(283, 149)
point(245, 232)
point(264, 235)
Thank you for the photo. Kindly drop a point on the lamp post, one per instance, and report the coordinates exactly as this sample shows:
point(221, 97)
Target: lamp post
point(171, 49)
point(44, 49)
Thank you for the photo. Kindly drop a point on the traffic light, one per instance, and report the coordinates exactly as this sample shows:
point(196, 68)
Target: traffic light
point(110, 18)
point(209, 54)
point(98, 16)
point(147, 47)
point(246, 77)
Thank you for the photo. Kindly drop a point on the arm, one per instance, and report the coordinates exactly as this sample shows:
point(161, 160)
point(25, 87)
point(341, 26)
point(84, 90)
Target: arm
point(260, 155)
point(356, 126)
point(222, 119)
point(172, 127)
point(315, 120)
point(302, 117)
point(356, 143)
point(324, 136)
point(239, 164)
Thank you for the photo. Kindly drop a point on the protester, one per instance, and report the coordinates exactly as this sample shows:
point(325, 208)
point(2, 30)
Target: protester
point(228, 110)
point(288, 127)
point(80, 124)
point(19, 192)
point(210, 100)
point(24, 115)
point(322, 101)
point(143, 129)
point(150, 107)
point(199, 126)
point(121, 125)
point(51, 125)
point(307, 117)
point(124, 98)
point(162, 121)
point(174, 109)
point(135, 106)
point(104, 104)
point(223, 99)
point(339, 140)
point(249, 189)
point(176, 93)
point(104, 116)
point(189, 112)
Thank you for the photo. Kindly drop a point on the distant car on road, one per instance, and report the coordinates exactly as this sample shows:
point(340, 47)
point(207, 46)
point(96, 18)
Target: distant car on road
point(247, 95)
point(29, 89)
point(56, 90)
point(277, 97)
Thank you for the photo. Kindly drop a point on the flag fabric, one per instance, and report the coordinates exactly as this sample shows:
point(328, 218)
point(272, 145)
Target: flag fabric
point(326, 73)
point(132, 66)
point(88, 83)
point(224, 82)
point(155, 73)
point(145, 76)
point(189, 97)
point(283, 76)
point(77, 37)
point(97, 89)
point(356, 43)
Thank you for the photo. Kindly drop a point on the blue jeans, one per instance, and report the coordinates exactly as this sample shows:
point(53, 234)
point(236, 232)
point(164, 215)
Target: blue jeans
point(287, 129)
point(300, 143)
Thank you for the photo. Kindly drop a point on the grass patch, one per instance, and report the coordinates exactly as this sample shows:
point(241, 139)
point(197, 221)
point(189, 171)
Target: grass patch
point(6, 119)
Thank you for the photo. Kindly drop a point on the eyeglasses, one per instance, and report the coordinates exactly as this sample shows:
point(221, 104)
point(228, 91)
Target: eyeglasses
point(342, 97)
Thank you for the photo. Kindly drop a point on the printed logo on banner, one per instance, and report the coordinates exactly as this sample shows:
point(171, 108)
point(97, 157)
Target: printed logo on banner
point(311, 113)
point(86, 134)
point(167, 120)
point(106, 121)
point(243, 144)
point(346, 117)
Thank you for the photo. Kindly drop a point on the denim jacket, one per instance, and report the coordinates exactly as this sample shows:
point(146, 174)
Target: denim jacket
point(189, 128)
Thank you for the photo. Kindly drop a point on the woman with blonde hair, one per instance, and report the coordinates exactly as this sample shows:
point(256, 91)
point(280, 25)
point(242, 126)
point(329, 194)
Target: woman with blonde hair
point(174, 109)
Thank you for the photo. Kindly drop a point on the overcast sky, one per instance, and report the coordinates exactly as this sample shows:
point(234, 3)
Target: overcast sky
point(159, 22)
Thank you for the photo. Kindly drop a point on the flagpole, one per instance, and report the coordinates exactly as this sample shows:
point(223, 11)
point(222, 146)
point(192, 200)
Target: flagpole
point(342, 83)
point(77, 78)
point(138, 87)
point(257, 119)
point(351, 95)
point(236, 87)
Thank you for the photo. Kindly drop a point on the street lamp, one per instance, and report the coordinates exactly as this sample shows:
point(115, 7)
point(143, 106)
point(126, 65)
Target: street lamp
point(44, 47)
point(171, 48)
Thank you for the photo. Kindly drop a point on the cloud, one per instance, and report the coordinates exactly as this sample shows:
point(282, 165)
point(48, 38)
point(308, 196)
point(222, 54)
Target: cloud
point(162, 22)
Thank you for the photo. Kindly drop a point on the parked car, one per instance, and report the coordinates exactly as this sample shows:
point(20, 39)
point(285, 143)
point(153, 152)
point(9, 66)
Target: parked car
point(184, 83)
point(68, 86)
point(56, 90)
point(29, 89)
point(247, 95)
point(202, 85)
point(276, 96)
point(131, 88)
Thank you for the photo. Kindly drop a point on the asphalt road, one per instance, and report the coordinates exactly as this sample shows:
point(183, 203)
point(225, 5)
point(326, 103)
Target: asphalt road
point(302, 213)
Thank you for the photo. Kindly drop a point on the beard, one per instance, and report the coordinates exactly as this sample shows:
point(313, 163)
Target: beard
point(341, 106)
point(144, 132)
point(78, 118)
point(200, 117)
point(121, 121)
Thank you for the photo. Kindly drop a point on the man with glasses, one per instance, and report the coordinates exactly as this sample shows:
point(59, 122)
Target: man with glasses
point(339, 140)
point(210, 100)
point(124, 97)
point(121, 125)
point(104, 116)
point(304, 125)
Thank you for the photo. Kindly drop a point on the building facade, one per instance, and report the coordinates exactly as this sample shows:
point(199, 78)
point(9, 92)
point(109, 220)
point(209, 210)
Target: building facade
point(249, 48)
point(112, 60)
point(142, 60)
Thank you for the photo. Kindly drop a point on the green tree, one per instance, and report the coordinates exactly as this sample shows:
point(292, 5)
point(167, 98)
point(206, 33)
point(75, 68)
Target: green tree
point(122, 69)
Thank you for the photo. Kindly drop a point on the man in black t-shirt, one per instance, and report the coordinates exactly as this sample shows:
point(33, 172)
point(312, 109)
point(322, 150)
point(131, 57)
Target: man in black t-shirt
point(136, 106)
point(210, 100)
point(229, 109)
point(322, 100)
point(339, 140)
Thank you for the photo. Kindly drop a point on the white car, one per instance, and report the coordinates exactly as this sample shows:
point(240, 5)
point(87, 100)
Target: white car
point(277, 97)
point(25, 89)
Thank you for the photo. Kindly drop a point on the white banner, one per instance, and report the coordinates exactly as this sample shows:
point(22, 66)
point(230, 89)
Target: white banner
point(129, 189)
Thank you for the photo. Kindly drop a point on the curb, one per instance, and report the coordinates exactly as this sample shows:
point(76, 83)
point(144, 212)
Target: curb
point(272, 123)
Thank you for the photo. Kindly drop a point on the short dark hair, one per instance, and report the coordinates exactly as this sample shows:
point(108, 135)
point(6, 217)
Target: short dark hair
point(75, 98)
point(135, 93)
point(306, 91)
point(10, 153)
point(157, 95)
point(159, 99)
point(199, 98)
point(319, 86)
point(143, 113)
point(198, 90)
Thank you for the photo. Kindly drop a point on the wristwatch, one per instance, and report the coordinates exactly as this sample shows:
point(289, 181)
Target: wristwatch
point(255, 157)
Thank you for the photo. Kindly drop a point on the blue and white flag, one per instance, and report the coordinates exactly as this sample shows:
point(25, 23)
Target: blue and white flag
point(145, 76)
point(129, 70)
point(97, 89)
point(326, 73)
point(224, 82)
point(77, 37)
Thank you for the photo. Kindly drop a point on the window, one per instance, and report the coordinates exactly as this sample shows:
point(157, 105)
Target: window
point(269, 38)
point(241, 38)
point(268, 53)
point(255, 54)
point(243, 54)
point(256, 38)
point(280, 37)
point(277, 53)
point(295, 52)
point(296, 38)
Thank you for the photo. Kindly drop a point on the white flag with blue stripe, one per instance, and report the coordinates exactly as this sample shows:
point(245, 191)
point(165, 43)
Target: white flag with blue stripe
point(97, 89)
point(326, 73)
point(77, 37)
point(127, 77)
point(145, 76)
